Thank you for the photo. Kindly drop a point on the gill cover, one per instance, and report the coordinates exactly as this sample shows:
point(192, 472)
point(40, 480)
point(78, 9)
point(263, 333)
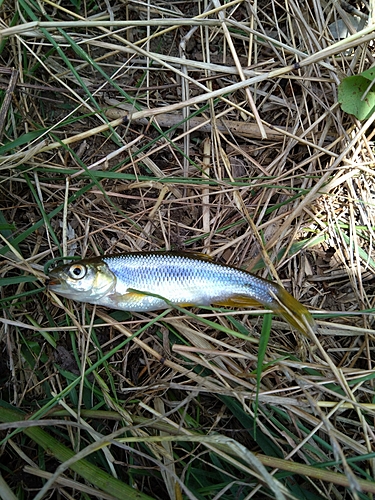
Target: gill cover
point(82, 281)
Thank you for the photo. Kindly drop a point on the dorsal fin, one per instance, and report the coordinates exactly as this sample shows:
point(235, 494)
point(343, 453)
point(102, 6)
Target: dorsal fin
point(193, 255)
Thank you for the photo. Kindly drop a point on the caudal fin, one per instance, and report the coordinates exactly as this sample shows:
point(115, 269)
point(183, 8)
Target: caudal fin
point(291, 310)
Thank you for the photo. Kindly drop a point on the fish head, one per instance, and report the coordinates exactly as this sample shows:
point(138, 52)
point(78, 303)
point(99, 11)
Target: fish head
point(85, 281)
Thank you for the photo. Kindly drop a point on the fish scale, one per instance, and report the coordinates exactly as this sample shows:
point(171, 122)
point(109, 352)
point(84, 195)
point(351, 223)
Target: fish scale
point(194, 280)
point(123, 282)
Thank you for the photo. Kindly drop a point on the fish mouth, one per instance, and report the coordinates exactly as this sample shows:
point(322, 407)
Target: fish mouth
point(56, 285)
point(53, 282)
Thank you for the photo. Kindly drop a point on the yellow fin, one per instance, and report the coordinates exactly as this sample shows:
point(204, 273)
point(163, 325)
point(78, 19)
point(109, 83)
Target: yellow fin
point(134, 296)
point(238, 301)
point(193, 255)
point(292, 311)
point(283, 304)
point(128, 296)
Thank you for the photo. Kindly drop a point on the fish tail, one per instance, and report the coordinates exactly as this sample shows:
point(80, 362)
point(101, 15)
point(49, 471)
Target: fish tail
point(289, 308)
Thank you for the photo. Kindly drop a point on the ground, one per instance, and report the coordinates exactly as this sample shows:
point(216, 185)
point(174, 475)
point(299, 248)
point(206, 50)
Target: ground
point(213, 127)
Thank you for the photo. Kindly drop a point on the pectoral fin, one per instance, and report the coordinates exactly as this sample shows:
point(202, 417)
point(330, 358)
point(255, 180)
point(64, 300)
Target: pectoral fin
point(135, 300)
point(128, 298)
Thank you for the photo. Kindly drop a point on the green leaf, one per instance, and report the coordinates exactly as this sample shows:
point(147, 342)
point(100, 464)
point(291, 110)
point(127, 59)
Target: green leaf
point(263, 342)
point(369, 74)
point(16, 280)
point(265, 442)
point(21, 141)
point(350, 96)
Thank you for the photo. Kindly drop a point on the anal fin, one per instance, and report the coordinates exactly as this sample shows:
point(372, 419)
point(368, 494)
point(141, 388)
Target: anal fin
point(238, 301)
point(281, 303)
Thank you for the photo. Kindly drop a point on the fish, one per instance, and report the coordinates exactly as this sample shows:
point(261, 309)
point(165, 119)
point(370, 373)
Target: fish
point(152, 281)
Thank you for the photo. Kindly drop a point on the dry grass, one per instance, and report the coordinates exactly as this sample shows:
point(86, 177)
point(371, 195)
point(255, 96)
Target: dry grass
point(231, 114)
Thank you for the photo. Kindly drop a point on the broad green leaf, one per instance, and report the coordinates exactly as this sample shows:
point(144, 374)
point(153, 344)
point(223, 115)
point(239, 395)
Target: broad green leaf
point(369, 74)
point(350, 96)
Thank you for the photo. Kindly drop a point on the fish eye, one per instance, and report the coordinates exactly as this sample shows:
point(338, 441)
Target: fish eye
point(77, 271)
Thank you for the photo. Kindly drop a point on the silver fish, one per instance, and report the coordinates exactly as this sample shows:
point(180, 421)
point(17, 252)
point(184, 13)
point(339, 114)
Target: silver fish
point(123, 281)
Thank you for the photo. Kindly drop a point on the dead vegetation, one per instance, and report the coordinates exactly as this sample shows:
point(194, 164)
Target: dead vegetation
point(205, 126)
